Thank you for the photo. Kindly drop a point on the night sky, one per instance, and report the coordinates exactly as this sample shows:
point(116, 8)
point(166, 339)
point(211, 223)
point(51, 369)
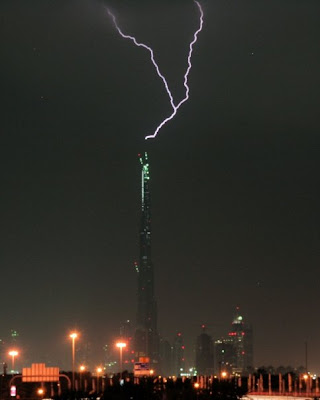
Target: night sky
point(235, 177)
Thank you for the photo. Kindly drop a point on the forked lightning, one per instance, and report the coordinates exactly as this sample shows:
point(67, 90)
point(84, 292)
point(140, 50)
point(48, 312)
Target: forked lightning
point(175, 107)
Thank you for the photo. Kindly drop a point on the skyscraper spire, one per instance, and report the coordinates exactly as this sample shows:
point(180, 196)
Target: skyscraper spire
point(146, 334)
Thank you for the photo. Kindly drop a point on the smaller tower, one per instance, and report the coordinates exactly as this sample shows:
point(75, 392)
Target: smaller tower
point(204, 353)
point(241, 339)
point(178, 355)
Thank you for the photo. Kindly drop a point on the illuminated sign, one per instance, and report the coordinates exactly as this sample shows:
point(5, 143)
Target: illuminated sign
point(141, 369)
point(13, 391)
point(40, 373)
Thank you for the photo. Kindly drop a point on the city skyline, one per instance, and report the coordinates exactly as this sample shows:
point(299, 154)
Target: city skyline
point(235, 186)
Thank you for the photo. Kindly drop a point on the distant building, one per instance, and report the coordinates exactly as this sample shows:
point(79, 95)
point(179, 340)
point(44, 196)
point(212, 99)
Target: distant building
point(110, 359)
point(235, 353)
point(204, 354)
point(126, 329)
point(128, 353)
point(14, 336)
point(165, 358)
point(2, 350)
point(178, 359)
point(223, 356)
point(84, 350)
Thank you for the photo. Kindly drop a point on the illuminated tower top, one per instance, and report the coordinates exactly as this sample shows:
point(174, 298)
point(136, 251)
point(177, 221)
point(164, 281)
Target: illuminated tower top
point(144, 179)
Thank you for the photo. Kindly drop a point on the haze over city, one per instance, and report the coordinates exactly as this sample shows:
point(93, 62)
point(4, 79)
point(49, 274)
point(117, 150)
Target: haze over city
point(234, 177)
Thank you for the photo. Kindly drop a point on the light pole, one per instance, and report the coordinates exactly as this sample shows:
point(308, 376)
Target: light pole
point(82, 369)
point(99, 370)
point(73, 336)
point(120, 346)
point(13, 354)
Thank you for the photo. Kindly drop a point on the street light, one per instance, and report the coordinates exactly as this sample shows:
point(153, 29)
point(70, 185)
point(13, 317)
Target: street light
point(13, 354)
point(121, 345)
point(99, 370)
point(82, 368)
point(224, 374)
point(73, 336)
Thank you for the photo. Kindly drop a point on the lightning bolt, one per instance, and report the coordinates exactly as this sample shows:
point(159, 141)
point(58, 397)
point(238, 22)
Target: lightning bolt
point(175, 107)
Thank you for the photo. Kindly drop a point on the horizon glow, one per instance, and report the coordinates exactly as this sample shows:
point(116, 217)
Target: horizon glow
point(175, 107)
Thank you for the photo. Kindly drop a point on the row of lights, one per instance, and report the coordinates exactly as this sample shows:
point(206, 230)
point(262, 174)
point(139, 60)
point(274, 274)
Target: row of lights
point(74, 336)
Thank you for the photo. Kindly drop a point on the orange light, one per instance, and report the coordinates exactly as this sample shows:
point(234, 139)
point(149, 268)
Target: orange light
point(224, 374)
point(151, 371)
point(82, 368)
point(121, 344)
point(196, 385)
point(73, 335)
point(13, 353)
point(99, 370)
point(305, 376)
point(40, 391)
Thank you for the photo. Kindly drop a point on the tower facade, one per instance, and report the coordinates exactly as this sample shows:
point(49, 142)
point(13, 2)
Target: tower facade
point(146, 337)
point(204, 353)
point(241, 339)
point(179, 364)
point(234, 354)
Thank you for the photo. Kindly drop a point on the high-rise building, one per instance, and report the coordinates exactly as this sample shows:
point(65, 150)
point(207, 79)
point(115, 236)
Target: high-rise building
point(204, 353)
point(241, 339)
point(235, 354)
point(179, 362)
point(166, 357)
point(126, 335)
point(223, 356)
point(146, 335)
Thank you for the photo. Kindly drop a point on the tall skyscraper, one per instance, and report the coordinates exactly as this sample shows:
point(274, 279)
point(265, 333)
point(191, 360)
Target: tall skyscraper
point(146, 336)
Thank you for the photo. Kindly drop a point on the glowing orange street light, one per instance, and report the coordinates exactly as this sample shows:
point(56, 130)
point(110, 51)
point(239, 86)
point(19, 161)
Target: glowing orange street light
point(13, 354)
point(73, 336)
point(82, 368)
point(99, 370)
point(196, 385)
point(40, 391)
point(121, 345)
point(223, 374)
